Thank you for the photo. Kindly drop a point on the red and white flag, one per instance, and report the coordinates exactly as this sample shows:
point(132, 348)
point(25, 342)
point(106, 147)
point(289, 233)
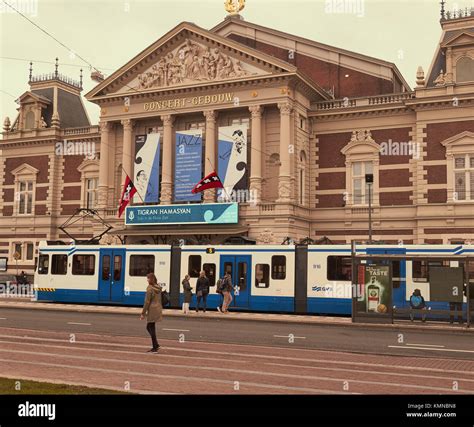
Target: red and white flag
point(210, 181)
point(128, 191)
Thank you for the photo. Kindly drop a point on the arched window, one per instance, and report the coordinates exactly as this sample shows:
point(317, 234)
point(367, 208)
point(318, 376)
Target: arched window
point(465, 70)
point(30, 120)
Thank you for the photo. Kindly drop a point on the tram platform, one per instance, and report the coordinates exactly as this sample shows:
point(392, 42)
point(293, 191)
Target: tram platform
point(212, 313)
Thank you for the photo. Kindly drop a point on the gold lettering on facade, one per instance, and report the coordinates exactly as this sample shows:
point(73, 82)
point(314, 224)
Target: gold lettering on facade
point(181, 102)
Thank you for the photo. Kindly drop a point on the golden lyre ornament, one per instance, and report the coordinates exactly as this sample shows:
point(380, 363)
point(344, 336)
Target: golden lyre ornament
point(233, 7)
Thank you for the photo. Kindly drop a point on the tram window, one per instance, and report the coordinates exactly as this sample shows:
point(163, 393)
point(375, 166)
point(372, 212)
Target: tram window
point(83, 265)
point(210, 270)
point(420, 269)
point(43, 264)
point(106, 267)
point(117, 267)
point(59, 264)
point(470, 266)
point(194, 266)
point(242, 275)
point(339, 268)
point(396, 274)
point(262, 276)
point(141, 265)
point(278, 267)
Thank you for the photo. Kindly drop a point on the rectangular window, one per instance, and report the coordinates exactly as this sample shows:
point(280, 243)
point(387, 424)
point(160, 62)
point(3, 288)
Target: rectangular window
point(59, 264)
point(106, 267)
point(29, 251)
point(83, 265)
point(91, 193)
point(3, 264)
point(210, 270)
point(141, 265)
point(359, 188)
point(339, 268)
point(43, 264)
point(242, 276)
point(278, 267)
point(25, 197)
point(240, 121)
point(19, 250)
point(262, 276)
point(420, 269)
point(194, 265)
point(117, 267)
point(464, 177)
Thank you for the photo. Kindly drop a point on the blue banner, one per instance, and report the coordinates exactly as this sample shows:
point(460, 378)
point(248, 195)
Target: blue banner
point(205, 213)
point(188, 165)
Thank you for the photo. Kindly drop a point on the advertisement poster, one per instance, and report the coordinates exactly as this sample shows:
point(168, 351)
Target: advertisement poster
point(146, 172)
point(188, 165)
point(232, 157)
point(375, 291)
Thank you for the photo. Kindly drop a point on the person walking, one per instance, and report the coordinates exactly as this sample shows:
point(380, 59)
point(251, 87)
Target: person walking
point(152, 310)
point(227, 292)
point(188, 293)
point(202, 290)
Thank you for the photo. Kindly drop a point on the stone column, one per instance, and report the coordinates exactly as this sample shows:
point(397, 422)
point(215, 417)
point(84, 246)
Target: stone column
point(210, 152)
point(104, 165)
point(256, 152)
point(167, 167)
point(127, 151)
point(284, 180)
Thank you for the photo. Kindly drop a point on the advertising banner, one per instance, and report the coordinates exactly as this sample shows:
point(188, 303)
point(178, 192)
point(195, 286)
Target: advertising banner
point(206, 213)
point(375, 292)
point(188, 165)
point(146, 172)
point(232, 157)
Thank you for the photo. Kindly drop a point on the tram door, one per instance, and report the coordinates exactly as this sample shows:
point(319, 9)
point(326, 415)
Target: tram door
point(239, 267)
point(399, 297)
point(111, 275)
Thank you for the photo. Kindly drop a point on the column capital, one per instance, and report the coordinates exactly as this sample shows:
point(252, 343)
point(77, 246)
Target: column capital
point(256, 111)
point(210, 115)
point(167, 119)
point(285, 108)
point(105, 126)
point(127, 124)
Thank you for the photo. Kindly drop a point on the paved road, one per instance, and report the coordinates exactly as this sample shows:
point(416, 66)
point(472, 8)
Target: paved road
point(227, 356)
point(446, 344)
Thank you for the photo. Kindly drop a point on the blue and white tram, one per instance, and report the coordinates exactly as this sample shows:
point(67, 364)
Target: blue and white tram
point(274, 278)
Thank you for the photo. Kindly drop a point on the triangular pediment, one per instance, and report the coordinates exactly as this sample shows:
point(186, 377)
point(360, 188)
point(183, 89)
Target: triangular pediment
point(187, 56)
point(25, 169)
point(30, 97)
point(462, 142)
point(463, 38)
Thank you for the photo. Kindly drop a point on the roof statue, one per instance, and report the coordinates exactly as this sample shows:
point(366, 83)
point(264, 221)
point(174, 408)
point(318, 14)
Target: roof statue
point(233, 7)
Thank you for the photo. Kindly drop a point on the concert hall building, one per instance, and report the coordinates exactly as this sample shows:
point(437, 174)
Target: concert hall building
point(291, 126)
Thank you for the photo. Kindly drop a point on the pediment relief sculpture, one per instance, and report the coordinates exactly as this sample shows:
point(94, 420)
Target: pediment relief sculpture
point(192, 63)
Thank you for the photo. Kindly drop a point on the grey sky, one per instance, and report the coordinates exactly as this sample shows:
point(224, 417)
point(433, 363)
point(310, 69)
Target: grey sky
point(109, 33)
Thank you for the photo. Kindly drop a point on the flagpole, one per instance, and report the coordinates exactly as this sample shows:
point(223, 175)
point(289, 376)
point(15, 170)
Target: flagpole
point(126, 174)
point(214, 169)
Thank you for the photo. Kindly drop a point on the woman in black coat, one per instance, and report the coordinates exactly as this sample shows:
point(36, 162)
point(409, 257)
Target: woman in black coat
point(202, 290)
point(188, 294)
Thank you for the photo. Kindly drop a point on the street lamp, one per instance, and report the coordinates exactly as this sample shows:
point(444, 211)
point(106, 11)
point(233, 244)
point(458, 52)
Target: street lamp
point(369, 180)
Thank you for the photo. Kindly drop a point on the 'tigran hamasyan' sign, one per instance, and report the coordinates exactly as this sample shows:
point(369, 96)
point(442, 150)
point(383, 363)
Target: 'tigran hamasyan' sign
point(195, 101)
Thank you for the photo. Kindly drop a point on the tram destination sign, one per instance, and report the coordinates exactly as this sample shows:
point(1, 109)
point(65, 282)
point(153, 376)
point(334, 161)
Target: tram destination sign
point(205, 213)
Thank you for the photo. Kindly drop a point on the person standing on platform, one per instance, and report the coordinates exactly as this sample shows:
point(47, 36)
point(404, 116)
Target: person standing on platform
point(202, 290)
point(152, 309)
point(188, 293)
point(227, 292)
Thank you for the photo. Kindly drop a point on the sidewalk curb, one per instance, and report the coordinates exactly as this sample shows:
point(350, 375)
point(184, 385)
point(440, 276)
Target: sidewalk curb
point(300, 319)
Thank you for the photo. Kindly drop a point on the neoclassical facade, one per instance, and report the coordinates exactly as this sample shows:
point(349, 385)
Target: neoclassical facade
point(318, 120)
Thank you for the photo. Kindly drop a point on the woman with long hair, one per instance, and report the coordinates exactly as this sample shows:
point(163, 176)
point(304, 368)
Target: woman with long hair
point(152, 309)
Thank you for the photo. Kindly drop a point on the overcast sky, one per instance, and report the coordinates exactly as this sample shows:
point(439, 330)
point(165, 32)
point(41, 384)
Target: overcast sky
point(109, 33)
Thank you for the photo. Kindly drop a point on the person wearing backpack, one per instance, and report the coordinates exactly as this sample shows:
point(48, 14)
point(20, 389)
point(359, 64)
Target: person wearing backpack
point(417, 302)
point(152, 309)
point(188, 294)
point(227, 292)
point(202, 290)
